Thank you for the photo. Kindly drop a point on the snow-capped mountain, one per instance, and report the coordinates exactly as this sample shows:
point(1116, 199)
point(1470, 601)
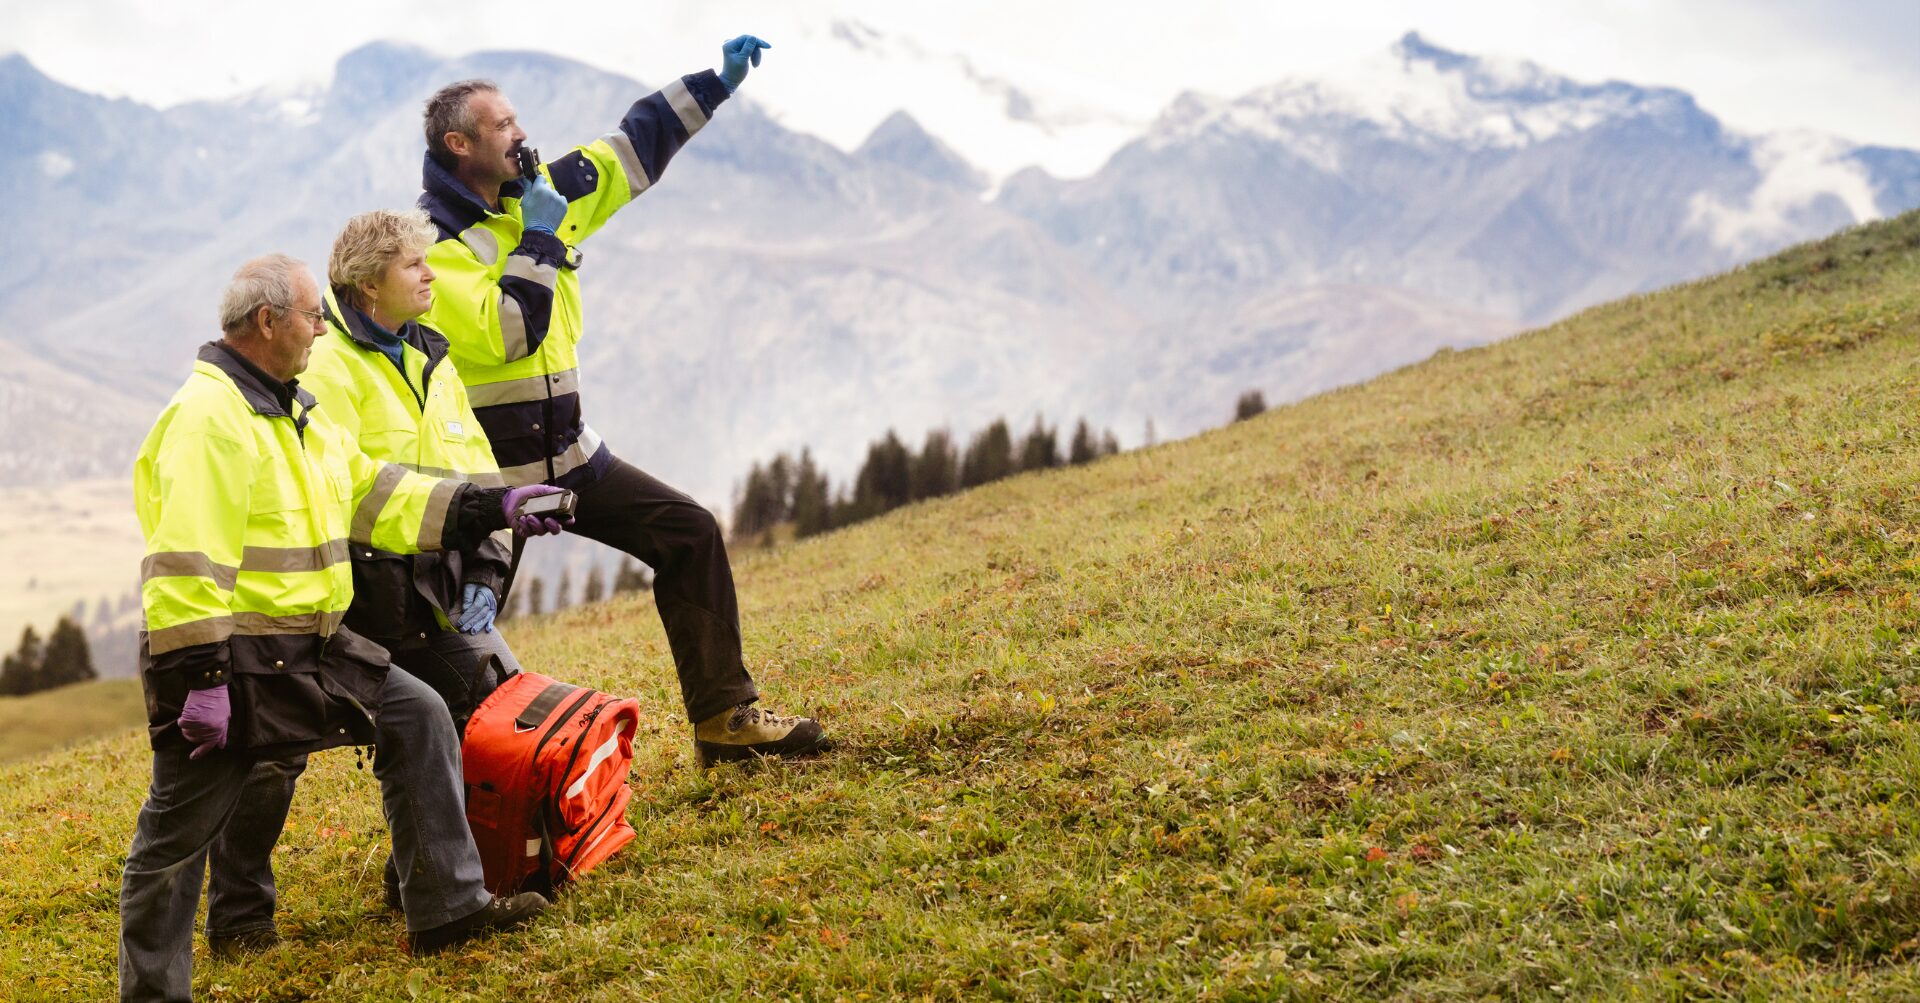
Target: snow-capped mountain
point(775, 290)
point(997, 124)
point(1492, 184)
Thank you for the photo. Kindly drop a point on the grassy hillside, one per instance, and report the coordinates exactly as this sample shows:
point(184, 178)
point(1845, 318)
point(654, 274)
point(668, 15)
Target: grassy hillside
point(1581, 666)
point(31, 725)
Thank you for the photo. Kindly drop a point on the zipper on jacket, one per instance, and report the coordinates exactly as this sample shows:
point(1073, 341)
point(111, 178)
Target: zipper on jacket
point(401, 364)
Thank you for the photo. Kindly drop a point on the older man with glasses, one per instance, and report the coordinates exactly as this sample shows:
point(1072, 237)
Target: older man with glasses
point(249, 498)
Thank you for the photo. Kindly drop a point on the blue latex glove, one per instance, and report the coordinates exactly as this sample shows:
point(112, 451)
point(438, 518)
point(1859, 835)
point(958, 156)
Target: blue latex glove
point(478, 606)
point(542, 207)
point(531, 525)
point(204, 719)
point(736, 55)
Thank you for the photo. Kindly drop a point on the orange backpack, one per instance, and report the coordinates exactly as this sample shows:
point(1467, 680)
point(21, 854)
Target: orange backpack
point(546, 770)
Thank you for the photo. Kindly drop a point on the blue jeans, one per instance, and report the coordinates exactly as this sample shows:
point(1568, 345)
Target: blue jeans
point(191, 801)
point(241, 895)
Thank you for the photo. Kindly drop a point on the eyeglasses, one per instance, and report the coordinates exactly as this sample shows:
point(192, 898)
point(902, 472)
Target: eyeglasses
point(318, 316)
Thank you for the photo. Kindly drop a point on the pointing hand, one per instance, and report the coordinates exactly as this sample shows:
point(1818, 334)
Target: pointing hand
point(736, 55)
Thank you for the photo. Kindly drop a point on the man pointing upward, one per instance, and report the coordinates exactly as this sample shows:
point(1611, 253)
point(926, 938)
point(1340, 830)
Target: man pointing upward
point(507, 296)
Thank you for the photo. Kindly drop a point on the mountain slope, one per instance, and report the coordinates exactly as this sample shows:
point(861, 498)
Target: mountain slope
point(1583, 664)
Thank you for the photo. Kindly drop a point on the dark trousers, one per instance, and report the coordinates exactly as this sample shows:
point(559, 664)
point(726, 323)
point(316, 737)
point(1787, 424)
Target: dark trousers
point(462, 669)
point(191, 800)
point(633, 512)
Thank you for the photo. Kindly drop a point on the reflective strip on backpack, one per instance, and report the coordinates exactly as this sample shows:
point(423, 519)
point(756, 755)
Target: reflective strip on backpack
point(606, 751)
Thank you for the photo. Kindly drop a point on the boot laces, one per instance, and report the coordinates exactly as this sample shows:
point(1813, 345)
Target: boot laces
point(748, 715)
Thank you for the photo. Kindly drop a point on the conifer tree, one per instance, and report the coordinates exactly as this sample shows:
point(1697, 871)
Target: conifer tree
point(513, 606)
point(1041, 448)
point(1250, 403)
point(596, 586)
point(67, 658)
point(563, 597)
point(631, 577)
point(1084, 449)
point(812, 499)
point(536, 596)
point(20, 671)
point(935, 470)
point(1109, 445)
point(989, 455)
point(779, 502)
point(885, 481)
point(753, 504)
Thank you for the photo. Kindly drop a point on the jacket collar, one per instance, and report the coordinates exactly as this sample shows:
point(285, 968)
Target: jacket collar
point(268, 397)
point(350, 323)
point(453, 206)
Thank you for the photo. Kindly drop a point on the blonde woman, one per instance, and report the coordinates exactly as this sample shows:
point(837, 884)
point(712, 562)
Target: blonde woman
point(387, 380)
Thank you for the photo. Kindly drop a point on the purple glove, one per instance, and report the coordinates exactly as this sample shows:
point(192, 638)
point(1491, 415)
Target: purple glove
point(204, 718)
point(531, 525)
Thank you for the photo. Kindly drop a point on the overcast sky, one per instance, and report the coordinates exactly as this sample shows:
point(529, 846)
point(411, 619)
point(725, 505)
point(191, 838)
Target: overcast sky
point(1841, 66)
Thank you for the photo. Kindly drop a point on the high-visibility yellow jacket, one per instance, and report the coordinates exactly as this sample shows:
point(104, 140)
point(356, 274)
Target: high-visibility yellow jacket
point(414, 414)
point(249, 499)
point(508, 299)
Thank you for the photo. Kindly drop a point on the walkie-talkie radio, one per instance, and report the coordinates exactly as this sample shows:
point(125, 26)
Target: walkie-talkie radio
point(529, 160)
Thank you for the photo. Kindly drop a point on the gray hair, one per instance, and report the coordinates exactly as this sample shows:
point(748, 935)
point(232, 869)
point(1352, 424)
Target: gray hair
point(449, 111)
point(270, 281)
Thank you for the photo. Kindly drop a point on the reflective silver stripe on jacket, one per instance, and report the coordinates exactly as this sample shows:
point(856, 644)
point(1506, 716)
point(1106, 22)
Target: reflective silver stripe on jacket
point(527, 388)
point(637, 180)
point(322, 623)
point(513, 329)
point(485, 479)
point(575, 457)
point(268, 560)
point(685, 105)
point(187, 564)
point(521, 266)
point(286, 560)
point(483, 243)
point(385, 483)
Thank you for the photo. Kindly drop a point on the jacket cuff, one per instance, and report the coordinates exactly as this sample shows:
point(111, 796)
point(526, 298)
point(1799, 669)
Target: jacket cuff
point(478, 573)
point(543, 247)
point(708, 89)
point(201, 666)
point(476, 513)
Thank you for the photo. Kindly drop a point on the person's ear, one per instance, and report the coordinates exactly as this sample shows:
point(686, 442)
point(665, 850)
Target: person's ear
point(457, 143)
point(261, 318)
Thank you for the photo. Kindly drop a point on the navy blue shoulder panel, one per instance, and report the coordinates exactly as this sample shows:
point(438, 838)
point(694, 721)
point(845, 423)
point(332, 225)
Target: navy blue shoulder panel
point(573, 175)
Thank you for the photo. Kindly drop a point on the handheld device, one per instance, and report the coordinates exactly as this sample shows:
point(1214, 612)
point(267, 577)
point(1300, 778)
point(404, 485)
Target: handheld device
point(529, 160)
point(558, 506)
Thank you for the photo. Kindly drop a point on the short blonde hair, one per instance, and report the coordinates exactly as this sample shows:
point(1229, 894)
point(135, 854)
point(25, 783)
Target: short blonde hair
point(369, 243)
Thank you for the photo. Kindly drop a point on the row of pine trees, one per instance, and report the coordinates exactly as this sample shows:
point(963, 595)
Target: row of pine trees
point(787, 490)
point(42, 665)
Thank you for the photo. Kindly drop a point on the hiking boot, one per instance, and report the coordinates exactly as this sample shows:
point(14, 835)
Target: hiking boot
point(393, 897)
point(747, 731)
point(497, 915)
point(246, 942)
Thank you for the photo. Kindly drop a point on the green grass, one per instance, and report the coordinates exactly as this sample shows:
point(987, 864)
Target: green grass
point(1580, 666)
point(32, 725)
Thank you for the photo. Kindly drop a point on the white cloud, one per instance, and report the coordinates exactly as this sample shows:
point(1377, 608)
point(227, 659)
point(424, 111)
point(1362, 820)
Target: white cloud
point(1797, 170)
point(54, 164)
